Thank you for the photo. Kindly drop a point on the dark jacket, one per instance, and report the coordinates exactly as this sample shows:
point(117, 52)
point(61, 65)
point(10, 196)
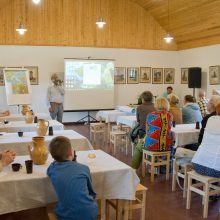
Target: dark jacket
point(204, 122)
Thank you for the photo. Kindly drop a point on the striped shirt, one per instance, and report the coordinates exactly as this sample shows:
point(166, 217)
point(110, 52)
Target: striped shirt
point(203, 103)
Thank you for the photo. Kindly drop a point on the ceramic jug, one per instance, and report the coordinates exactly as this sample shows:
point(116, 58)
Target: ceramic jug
point(42, 127)
point(38, 152)
point(29, 117)
point(25, 109)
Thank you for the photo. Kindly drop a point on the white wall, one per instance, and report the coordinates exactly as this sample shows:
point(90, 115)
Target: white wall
point(202, 57)
point(51, 59)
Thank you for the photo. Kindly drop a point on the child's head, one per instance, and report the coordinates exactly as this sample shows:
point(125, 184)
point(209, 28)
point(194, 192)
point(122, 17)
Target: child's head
point(61, 149)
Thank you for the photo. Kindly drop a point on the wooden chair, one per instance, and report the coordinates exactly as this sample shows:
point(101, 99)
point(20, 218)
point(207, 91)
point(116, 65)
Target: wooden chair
point(123, 207)
point(118, 139)
point(208, 189)
point(121, 128)
point(97, 129)
point(180, 170)
point(155, 160)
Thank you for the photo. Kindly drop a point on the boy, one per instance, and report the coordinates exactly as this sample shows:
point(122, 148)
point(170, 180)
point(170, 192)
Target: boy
point(72, 183)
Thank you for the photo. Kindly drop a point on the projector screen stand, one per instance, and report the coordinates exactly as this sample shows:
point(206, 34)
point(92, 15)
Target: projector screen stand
point(88, 117)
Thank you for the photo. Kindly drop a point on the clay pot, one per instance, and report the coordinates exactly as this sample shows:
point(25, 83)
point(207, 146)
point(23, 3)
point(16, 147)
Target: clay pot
point(39, 151)
point(29, 117)
point(25, 108)
point(42, 127)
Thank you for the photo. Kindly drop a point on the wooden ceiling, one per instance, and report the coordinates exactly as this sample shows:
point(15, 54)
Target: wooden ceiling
point(138, 24)
point(193, 23)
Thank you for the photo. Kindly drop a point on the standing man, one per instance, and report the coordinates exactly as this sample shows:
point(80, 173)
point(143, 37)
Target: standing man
point(203, 103)
point(168, 92)
point(55, 98)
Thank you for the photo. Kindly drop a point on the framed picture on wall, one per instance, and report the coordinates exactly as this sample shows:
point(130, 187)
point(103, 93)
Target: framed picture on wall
point(145, 74)
point(33, 74)
point(120, 75)
point(214, 75)
point(132, 75)
point(169, 75)
point(157, 75)
point(184, 75)
point(2, 81)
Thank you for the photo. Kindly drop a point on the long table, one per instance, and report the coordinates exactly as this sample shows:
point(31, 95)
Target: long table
point(130, 120)
point(20, 117)
point(15, 126)
point(111, 179)
point(20, 144)
point(185, 134)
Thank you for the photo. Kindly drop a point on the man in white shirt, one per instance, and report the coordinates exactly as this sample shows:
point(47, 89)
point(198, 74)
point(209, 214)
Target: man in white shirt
point(55, 98)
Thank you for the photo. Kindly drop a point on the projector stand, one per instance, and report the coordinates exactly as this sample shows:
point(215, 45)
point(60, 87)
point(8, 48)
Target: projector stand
point(88, 117)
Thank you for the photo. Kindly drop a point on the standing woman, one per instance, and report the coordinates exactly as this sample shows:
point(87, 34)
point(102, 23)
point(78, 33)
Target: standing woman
point(158, 131)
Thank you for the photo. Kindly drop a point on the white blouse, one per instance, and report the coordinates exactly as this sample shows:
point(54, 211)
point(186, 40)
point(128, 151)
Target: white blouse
point(208, 154)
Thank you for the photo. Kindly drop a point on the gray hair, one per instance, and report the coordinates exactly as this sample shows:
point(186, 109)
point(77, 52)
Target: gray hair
point(147, 96)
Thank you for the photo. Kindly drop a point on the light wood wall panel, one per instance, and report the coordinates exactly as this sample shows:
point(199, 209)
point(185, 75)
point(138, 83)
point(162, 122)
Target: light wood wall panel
point(72, 23)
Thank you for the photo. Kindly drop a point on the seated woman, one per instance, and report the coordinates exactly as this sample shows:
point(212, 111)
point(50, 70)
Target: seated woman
point(4, 113)
point(158, 131)
point(191, 111)
point(174, 109)
point(146, 107)
point(212, 104)
point(206, 160)
point(6, 158)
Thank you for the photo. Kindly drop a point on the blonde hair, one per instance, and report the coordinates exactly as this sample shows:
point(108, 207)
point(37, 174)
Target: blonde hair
point(213, 102)
point(161, 103)
point(173, 99)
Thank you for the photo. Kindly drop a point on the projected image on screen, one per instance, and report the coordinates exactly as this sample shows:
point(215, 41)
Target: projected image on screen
point(89, 74)
point(89, 84)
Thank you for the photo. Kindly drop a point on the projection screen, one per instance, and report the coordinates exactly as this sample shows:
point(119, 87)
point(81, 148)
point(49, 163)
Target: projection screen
point(89, 84)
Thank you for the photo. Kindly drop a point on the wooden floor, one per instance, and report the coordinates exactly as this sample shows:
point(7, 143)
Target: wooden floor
point(161, 204)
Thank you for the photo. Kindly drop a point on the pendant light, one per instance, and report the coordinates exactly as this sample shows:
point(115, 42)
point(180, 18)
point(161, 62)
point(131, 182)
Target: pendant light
point(36, 1)
point(168, 38)
point(100, 22)
point(21, 27)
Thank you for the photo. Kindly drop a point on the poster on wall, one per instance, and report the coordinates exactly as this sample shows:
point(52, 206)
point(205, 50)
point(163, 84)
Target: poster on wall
point(17, 86)
point(214, 75)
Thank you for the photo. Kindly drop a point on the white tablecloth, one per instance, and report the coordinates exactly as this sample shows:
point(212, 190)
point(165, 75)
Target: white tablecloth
point(130, 121)
point(20, 117)
point(110, 177)
point(15, 126)
point(185, 134)
point(126, 109)
point(20, 144)
point(109, 116)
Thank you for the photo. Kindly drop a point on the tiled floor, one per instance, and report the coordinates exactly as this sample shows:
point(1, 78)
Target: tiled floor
point(161, 204)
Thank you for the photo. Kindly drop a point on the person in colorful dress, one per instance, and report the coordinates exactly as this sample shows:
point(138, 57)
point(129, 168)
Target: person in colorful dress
point(158, 131)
